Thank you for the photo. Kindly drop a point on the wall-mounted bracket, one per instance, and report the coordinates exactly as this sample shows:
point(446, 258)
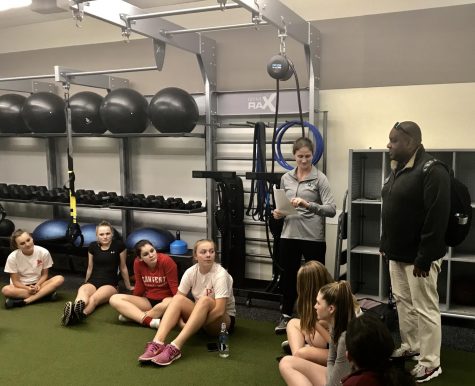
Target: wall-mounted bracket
point(68, 75)
point(27, 86)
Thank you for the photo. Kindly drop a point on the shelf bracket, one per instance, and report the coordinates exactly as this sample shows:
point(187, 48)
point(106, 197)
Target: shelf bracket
point(27, 86)
point(61, 74)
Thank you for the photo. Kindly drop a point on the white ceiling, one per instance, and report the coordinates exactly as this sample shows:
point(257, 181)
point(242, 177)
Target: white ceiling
point(309, 9)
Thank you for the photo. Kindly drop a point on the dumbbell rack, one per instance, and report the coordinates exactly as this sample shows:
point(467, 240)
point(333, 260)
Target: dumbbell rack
point(127, 210)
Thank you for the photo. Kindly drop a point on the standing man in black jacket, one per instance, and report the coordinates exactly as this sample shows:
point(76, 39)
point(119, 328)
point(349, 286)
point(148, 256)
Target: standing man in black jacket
point(415, 212)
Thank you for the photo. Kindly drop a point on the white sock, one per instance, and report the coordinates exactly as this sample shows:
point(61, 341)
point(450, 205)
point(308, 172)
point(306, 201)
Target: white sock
point(155, 323)
point(123, 319)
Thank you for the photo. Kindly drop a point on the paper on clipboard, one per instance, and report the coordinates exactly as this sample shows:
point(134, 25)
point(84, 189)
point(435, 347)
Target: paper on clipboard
point(283, 203)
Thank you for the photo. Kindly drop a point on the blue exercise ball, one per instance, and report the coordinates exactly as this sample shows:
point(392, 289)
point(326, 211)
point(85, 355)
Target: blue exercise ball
point(43, 112)
point(89, 233)
point(11, 120)
point(85, 115)
point(7, 227)
point(124, 110)
point(160, 238)
point(173, 110)
point(51, 230)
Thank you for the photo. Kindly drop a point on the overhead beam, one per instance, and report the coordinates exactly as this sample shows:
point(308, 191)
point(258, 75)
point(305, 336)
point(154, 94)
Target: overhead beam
point(281, 16)
point(111, 11)
point(116, 12)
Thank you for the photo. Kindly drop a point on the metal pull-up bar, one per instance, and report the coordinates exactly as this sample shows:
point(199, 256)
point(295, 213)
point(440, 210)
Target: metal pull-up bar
point(181, 12)
point(216, 28)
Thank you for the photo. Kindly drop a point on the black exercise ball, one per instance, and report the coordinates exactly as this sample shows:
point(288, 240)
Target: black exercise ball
point(85, 115)
point(7, 227)
point(10, 114)
point(43, 112)
point(173, 110)
point(124, 111)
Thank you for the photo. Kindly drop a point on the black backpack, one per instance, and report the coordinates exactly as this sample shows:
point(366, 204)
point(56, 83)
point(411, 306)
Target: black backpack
point(460, 217)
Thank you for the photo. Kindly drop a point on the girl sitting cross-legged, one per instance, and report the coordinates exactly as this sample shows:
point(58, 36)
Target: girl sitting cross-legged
point(156, 281)
point(212, 290)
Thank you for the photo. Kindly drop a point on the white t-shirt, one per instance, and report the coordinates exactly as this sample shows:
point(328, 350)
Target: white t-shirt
point(29, 267)
point(217, 283)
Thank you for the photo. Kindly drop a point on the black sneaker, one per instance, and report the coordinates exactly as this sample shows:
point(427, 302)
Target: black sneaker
point(12, 302)
point(281, 328)
point(286, 347)
point(68, 314)
point(79, 307)
point(51, 297)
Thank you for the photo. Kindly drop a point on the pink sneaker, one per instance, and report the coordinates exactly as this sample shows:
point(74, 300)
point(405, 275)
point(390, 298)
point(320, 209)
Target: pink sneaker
point(169, 354)
point(152, 349)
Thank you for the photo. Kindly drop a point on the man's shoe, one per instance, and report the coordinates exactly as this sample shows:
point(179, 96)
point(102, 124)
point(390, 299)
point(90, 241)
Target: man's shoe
point(286, 347)
point(404, 353)
point(68, 314)
point(79, 307)
point(152, 349)
point(12, 302)
point(281, 328)
point(169, 354)
point(424, 374)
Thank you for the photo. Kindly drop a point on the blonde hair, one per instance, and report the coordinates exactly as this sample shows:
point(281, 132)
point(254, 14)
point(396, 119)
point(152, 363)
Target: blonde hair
point(104, 223)
point(339, 295)
point(310, 278)
point(197, 244)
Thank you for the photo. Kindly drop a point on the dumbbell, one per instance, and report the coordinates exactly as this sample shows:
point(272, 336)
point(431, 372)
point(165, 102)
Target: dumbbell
point(4, 192)
point(190, 205)
point(36, 189)
point(158, 202)
point(103, 197)
point(118, 200)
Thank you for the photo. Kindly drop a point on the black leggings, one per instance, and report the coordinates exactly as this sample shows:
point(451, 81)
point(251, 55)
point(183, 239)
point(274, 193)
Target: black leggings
point(291, 251)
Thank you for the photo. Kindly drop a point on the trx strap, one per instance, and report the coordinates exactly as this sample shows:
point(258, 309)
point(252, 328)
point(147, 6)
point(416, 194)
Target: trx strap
point(74, 234)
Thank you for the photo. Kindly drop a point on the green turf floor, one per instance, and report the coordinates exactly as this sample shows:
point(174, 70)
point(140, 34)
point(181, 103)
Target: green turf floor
point(36, 350)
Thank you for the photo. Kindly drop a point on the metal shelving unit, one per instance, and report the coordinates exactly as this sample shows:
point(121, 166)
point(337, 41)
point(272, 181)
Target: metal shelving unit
point(367, 270)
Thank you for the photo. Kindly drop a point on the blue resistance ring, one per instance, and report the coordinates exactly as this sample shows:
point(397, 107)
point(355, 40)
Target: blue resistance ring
point(280, 133)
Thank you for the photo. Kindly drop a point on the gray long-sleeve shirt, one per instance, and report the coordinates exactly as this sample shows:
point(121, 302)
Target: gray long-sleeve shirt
point(308, 224)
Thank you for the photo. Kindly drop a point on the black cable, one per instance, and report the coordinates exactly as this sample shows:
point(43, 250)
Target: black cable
point(297, 85)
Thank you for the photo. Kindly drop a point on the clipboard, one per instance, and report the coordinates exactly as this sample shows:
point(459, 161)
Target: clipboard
point(282, 203)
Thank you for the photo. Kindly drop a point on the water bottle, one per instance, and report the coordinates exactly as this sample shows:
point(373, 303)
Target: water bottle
point(223, 341)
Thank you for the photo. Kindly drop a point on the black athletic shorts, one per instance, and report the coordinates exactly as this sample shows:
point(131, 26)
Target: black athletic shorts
point(154, 302)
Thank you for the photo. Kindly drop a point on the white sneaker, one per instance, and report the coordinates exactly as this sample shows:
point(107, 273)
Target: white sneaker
point(424, 374)
point(123, 319)
point(402, 352)
point(416, 369)
point(155, 323)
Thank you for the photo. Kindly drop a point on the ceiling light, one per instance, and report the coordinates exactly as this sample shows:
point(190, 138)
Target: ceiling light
point(8, 4)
